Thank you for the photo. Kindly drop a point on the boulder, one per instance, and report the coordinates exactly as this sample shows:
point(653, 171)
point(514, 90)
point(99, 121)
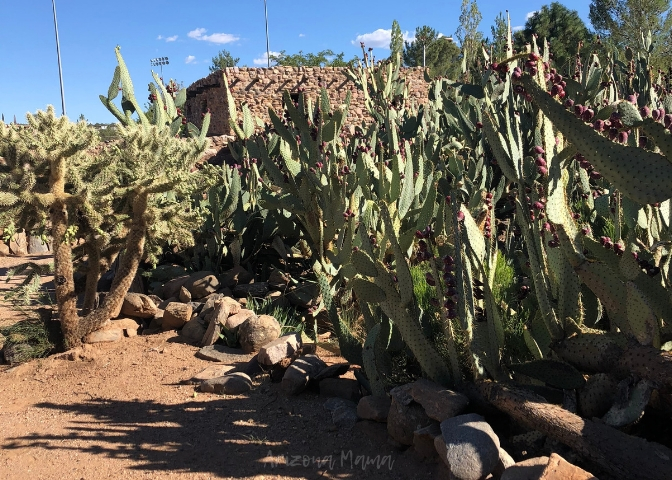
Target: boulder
point(176, 315)
point(236, 319)
point(4, 249)
point(530, 469)
point(138, 305)
point(172, 288)
point(128, 325)
point(208, 373)
point(18, 244)
point(405, 416)
point(560, 469)
point(255, 332)
point(194, 330)
point(299, 373)
point(36, 246)
point(439, 403)
point(236, 276)
point(104, 336)
point(230, 384)
point(201, 284)
point(185, 295)
point(345, 388)
point(281, 347)
point(375, 408)
point(468, 446)
point(423, 440)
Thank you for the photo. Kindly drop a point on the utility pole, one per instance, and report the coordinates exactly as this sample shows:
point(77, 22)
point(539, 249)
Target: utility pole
point(58, 54)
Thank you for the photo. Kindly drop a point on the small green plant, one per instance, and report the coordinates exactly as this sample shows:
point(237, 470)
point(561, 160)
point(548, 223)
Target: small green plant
point(289, 319)
point(36, 337)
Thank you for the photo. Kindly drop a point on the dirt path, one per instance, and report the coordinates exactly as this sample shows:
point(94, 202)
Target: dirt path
point(123, 413)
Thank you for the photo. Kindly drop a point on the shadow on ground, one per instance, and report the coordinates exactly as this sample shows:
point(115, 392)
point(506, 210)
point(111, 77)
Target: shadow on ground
point(228, 438)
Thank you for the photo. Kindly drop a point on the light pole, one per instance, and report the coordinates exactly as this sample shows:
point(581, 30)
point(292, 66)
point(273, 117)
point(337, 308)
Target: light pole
point(268, 48)
point(159, 62)
point(58, 55)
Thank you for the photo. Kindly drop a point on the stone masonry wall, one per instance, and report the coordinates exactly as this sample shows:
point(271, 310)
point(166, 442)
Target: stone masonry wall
point(262, 88)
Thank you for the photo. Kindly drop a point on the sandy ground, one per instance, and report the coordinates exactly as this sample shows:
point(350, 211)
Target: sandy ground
point(123, 413)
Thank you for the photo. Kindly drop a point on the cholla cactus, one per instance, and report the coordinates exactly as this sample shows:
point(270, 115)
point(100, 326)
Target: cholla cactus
point(130, 197)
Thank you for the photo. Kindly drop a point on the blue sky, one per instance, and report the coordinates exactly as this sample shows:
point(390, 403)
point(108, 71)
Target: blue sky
point(190, 34)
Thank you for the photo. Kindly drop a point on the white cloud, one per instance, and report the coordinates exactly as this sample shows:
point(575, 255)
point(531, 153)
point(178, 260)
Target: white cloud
point(159, 37)
point(379, 38)
point(263, 60)
point(515, 29)
point(221, 38)
point(190, 59)
point(530, 15)
point(171, 39)
point(302, 34)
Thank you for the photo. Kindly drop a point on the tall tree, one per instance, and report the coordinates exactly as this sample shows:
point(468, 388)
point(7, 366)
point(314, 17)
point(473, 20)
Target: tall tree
point(441, 54)
point(467, 33)
point(396, 41)
point(325, 58)
point(562, 28)
point(222, 60)
point(622, 22)
point(497, 45)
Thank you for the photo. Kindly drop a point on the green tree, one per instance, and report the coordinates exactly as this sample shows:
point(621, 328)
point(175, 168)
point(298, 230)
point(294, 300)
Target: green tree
point(497, 45)
point(468, 35)
point(441, 54)
point(621, 23)
point(222, 60)
point(562, 28)
point(325, 58)
point(396, 40)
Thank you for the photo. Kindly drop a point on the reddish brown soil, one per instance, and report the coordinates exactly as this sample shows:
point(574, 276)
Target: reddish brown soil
point(123, 413)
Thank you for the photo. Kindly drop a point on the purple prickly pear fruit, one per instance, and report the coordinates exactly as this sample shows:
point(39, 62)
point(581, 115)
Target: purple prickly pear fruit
point(632, 99)
point(578, 110)
point(587, 115)
point(538, 150)
point(613, 133)
point(655, 114)
point(538, 205)
point(556, 90)
point(595, 175)
point(585, 230)
point(586, 165)
point(667, 120)
point(430, 279)
point(540, 162)
point(543, 171)
point(599, 125)
point(645, 111)
point(460, 216)
point(642, 141)
point(622, 137)
point(547, 227)
point(448, 199)
point(569, 103)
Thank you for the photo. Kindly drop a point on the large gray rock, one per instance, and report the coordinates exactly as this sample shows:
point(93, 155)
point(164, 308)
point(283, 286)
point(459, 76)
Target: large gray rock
point(172, 288)
point(138, 305)
point(18, 244)
point(235, 320)
point(255, 332)
point(176, 315)
point(405, 416)
point(439, 403)
point(375, 408)
point(282, 347)
point(468, 446)
point(346, 388)
point(343, 412)
point(201, 284)
point(236, 276)
point(36, 246)
point(299, 373)
point(224, 354)
point(193, 330)
point(208, 373)
point(230, 384)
